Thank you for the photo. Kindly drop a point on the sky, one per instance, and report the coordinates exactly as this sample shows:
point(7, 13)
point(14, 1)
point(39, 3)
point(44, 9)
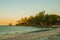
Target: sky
point(13, 10)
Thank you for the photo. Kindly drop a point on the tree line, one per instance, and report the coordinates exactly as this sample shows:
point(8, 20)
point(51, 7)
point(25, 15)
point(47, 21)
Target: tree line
point(40, 19)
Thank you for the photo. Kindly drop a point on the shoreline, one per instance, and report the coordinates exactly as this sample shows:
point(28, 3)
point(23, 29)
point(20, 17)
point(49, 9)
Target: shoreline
point(42, 26)
point(13, 35)
point(31, 36)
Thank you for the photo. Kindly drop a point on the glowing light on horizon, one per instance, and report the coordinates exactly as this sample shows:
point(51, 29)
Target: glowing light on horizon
point(13, 10)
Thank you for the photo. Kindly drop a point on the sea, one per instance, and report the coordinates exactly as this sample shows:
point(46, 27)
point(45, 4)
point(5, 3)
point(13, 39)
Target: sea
point(12, 31)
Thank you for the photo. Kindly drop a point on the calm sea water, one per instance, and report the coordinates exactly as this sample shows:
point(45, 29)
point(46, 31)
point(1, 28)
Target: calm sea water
point(7, 31)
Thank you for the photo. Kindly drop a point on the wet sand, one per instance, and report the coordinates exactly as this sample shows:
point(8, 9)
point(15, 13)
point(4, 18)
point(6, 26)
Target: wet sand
point(45, 35)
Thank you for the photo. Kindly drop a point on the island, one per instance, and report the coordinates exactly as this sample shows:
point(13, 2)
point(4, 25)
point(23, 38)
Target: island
point(41, 20)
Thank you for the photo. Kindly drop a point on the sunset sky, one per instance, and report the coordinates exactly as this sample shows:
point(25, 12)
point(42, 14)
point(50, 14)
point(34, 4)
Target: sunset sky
point(13, 10)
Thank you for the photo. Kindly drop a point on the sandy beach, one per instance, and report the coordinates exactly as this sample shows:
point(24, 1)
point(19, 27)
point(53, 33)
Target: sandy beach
point(46, 35)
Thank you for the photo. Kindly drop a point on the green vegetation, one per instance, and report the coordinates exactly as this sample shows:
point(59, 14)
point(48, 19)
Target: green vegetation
point(40, 19)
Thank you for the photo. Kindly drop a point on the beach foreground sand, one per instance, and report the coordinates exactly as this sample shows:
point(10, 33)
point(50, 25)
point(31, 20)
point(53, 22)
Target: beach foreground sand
point(46, 35)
